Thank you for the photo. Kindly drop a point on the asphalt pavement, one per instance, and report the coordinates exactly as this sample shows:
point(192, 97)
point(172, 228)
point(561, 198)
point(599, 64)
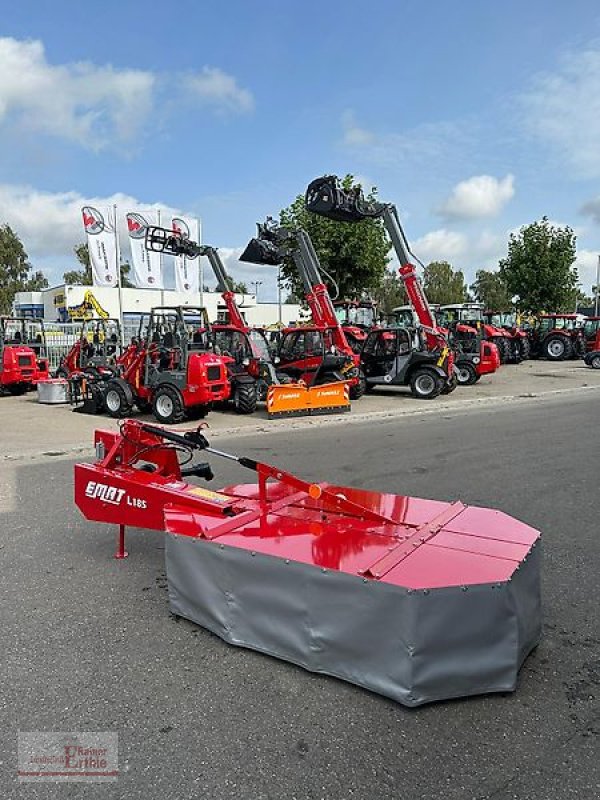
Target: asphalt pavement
point(89, 643)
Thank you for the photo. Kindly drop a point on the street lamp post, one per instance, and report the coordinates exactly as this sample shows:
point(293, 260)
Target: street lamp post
point(256, 284)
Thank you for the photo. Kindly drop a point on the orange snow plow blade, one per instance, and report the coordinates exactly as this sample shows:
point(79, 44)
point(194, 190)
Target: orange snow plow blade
point(297, 399)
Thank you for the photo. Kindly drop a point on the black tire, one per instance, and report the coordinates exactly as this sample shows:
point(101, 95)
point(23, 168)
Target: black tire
point(525, 348)
point(425, 384)
point(503, 348)
point(357, 391)
point(594, 361)
point(16, 389)
point(557, 348)
point(167, 405)
point(245, 398)
point(466, 374)
point(118, 399)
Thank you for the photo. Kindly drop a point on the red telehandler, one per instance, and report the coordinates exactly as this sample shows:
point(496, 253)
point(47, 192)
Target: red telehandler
point(23, 355)
point(425, 362)
point(318, 353)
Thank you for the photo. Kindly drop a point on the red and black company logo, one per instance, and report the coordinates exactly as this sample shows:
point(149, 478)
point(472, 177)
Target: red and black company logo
point(136, 225)
point(93, 221)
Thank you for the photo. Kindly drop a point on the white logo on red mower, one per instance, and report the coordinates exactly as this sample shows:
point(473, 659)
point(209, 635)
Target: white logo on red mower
point(111, 495)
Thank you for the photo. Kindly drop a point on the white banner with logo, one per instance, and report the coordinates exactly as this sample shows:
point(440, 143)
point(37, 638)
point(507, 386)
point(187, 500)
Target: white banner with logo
point(187, 270)
point(147, 266)
point(102, 245)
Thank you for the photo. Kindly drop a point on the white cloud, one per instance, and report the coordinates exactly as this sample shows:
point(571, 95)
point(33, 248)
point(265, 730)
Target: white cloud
point(468, 253)
point(215, 88)
point(424, 141)
point(440, 245)
point(49, 224)
point(587, 264)
point(91, 105)
point(97, 106)
point(562, 108)
point(479, 196)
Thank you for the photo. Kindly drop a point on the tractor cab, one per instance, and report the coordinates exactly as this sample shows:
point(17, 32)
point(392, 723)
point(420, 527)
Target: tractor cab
point(591, 333)
point(247, 351)
point(399, 357)
point(310, 354)
point(403, 317)
point(23, 355)
point(472, 315)
point(96, 351)
point(356, 318)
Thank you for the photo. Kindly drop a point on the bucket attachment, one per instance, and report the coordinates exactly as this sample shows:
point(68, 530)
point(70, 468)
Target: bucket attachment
point(326, 197)
point(297, 399)
point(259, 251)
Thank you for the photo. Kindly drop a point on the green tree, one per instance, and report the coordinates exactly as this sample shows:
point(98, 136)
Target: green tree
point(83, 276)
point(539, 267)
point(390, 293)
point(443, 284)
point(15, 270)
point(355, 255)
point(490, 289)
point(236, 286)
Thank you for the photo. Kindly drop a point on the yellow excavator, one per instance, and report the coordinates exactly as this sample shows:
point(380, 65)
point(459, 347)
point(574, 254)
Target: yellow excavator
point(86, 308)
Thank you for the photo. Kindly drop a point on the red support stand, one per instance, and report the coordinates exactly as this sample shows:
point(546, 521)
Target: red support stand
point(121, 552)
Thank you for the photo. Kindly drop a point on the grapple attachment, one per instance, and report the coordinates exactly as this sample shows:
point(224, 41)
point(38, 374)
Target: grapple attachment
point(328, 198)
point(418, 600)
point(267, 247)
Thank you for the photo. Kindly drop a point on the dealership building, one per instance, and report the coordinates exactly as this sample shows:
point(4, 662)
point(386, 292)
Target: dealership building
point(66, 303)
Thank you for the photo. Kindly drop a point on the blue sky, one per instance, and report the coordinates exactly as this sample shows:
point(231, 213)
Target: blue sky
point(473, 117)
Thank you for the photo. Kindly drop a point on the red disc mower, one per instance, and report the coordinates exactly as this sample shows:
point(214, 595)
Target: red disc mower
point(418, 600)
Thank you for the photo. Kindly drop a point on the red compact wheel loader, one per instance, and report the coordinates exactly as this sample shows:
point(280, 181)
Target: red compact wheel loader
point(23, 354)
point(425, 362)
point(318, 353)
point(174, 371)
point(96, 352)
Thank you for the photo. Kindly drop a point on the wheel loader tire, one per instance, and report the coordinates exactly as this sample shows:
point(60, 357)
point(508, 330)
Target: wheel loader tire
point(595, 362)
point(450, 385)
point(425, 384)
point(168, 406)
point(557, 348)
point(466, 374)
point(16, 389)
point(357, 391)
point(118, 399)
point(245, 398)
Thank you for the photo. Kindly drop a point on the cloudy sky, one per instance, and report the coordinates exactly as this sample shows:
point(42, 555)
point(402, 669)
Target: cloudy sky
point(473, 117)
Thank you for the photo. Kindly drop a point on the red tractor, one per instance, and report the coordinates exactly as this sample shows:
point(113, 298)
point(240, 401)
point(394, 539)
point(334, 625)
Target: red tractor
point(557, 337)
point(357, 318)
point(591, 334)
point(174, 371)
point(318, 353)
point(472, 314)
point(23, 355)
point(508, 320)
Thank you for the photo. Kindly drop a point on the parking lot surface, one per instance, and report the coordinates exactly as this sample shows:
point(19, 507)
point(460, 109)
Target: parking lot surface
point(89, 643)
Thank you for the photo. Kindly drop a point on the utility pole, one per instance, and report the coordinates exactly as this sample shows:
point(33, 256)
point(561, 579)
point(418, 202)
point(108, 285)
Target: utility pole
point(597, 304)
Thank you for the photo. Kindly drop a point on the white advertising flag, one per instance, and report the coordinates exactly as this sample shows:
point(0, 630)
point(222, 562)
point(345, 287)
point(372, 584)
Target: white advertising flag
point(187, 270)
point(147, 265)
point(102, 245)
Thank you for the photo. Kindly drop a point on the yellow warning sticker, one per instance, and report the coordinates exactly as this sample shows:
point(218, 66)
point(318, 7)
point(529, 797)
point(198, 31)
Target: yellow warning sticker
point(207, 494)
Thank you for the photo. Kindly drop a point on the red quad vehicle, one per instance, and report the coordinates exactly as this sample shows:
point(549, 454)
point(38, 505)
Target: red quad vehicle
point(557, 337)
point(174, 371)
point(508, 321)
point(357, 317)
point(96, 352)
point(23, 358)
point(318, 353)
